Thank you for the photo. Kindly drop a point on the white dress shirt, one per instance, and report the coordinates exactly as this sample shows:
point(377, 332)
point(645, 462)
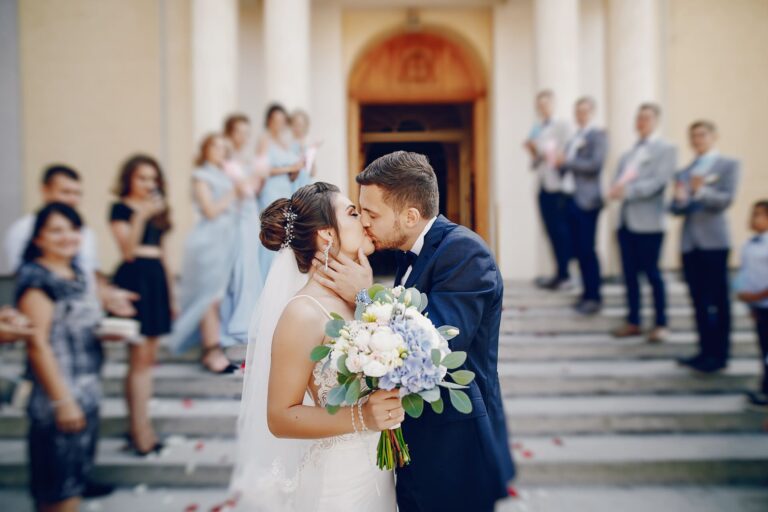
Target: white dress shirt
point(418, 245)
point(18, 235)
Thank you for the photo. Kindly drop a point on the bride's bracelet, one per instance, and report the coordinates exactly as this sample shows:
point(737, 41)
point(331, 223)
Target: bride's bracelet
point(360, 414)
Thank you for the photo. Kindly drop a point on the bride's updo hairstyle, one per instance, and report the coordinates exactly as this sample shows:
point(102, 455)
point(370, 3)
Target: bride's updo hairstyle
point(295, 222)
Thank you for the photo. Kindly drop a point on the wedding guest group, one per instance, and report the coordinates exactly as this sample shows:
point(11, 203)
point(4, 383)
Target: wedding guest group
point(702, 192)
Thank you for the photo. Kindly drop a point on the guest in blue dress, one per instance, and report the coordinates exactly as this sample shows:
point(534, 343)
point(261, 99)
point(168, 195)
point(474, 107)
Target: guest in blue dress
point(284, 166)
point(212, 269)
point(299, 122)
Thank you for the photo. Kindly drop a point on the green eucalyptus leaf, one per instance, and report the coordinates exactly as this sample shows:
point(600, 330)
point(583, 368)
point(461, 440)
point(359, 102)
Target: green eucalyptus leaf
point(460, 401)
point(319, 353)
point(341, 365)
point(424, 303)
point(454, 360)
point(383, 296)
point(452, 385)
point(448, 332)
point(413, 405)
point(430, 395)
point(436, 356)
point(353, 392)
point(337, 316)
point(336, 395)
point(359, 309)
point(332, 409)
point(333, 328)
point(463, 377)
point(438, 406)
point(373, 290)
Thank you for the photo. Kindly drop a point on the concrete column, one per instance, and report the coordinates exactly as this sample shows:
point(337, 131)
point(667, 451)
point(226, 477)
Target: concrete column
point(11, 171)
point(286, 48)
point(557, 45)
point(214, 63)
point(633, 65)
point(556, 25)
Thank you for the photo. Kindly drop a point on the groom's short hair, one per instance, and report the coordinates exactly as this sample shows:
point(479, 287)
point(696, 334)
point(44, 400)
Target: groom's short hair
point(407, 180)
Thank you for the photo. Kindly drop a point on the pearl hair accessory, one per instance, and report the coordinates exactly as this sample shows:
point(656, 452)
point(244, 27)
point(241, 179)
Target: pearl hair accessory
point(290, 218)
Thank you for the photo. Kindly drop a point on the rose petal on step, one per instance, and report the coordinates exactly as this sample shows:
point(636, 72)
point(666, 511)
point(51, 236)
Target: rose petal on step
point(528, 454)
point(242, 365)
point(512, 492)
point(557, 441)
point(517, 446)
point(192, 508)
point(199, 446)
point(187, 403)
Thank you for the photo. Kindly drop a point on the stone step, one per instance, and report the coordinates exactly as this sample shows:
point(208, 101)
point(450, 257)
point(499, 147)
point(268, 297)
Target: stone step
point(644, 459)
point(517, 378)
point(580, 346)
point(538, 498)
point(518, 347)
point(613, 286)
point(516, 295)
point(526, 416)
point(631, 414)
point(555, 320)
point(596, 459)
point(667, 498)
point(569, 378)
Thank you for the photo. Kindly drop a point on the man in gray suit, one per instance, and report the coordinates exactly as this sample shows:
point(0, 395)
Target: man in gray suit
point(640, 183)
point(581, 165)
point(704, 191)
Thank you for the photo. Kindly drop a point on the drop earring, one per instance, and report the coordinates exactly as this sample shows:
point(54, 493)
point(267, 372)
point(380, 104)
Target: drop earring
point(326, 252)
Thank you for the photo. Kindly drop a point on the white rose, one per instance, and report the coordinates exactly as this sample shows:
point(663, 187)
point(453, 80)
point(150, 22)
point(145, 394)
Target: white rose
point(383, 340)
point(362, 339)
point(374, 369)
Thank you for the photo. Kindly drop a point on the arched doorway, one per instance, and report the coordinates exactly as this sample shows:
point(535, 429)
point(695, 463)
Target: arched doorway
point(425, 91)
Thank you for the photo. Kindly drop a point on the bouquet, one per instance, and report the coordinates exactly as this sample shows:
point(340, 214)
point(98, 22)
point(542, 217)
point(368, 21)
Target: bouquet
point(392, 344)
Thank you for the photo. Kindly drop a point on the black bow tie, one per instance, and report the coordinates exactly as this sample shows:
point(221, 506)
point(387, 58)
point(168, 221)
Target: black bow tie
point(404, 259)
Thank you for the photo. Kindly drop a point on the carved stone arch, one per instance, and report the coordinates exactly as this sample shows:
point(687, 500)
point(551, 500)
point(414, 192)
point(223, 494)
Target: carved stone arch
point(417, 67)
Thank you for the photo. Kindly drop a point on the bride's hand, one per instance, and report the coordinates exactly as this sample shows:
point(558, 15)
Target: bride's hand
point(383, 410)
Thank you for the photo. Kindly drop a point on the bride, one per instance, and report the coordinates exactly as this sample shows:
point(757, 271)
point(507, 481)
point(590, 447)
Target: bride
point(293, 456)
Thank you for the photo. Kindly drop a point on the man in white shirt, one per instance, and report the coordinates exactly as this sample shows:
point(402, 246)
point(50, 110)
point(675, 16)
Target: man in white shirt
point(546, 141)
point(60, 184)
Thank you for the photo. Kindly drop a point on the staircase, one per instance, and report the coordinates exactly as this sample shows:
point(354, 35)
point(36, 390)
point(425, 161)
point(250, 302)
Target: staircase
point(592, 419)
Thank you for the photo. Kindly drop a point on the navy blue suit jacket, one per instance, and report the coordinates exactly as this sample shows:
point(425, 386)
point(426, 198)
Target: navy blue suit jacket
point(460, 461)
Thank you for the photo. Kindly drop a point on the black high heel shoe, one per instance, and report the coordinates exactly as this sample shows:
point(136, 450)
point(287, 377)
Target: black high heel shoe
point(227, 370)
point(131, 447)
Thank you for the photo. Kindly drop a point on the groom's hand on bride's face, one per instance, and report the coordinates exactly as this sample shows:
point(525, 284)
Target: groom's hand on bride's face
point(344, 276)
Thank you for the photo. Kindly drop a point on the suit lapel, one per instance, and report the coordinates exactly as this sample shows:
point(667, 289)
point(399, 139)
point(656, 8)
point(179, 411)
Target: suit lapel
point(431, 240)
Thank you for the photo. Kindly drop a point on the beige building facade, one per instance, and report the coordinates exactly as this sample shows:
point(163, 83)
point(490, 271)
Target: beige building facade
point(100, 79)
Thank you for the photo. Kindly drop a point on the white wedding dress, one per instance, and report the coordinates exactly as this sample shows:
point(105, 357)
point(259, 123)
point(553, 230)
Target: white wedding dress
point(336, 474)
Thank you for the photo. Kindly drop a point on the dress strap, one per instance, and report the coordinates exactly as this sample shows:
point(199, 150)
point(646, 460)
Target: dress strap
point(313, 300)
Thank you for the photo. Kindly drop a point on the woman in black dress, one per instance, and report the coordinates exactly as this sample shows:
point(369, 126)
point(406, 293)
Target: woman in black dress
point(139, 222)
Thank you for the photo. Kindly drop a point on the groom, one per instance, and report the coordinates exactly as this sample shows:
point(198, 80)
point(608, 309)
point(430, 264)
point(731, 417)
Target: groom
point(460, 461)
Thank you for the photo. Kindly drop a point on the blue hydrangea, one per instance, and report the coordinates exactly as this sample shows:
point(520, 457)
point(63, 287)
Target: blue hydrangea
point(418, 372)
